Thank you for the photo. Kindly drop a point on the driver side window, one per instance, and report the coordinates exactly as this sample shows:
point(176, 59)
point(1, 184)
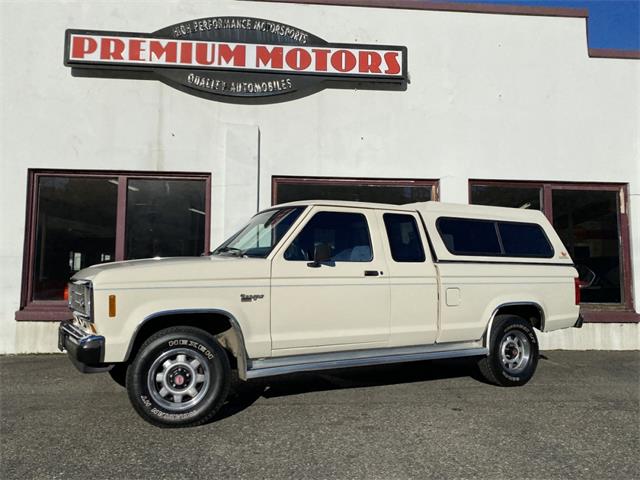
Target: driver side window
point(346, 235)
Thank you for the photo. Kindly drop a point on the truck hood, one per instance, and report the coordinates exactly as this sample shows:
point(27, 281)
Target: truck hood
point(174, 271)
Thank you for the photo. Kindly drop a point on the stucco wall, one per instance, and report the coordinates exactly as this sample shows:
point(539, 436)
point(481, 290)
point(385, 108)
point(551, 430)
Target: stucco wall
point(490, 96)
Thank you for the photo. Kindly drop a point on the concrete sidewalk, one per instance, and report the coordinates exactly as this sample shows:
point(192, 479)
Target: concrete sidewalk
point(578, 418)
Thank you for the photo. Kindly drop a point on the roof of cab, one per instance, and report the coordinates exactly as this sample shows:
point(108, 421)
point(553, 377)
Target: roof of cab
point(344, 203)
point(434, 208)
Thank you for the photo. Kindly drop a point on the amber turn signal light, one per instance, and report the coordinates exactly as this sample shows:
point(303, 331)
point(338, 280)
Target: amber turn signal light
point(112, 305)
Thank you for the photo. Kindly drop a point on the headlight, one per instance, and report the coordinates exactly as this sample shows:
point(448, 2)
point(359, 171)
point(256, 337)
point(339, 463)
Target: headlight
point(80, 298)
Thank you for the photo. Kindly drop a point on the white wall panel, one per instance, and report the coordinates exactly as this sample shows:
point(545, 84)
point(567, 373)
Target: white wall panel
point(490, 96)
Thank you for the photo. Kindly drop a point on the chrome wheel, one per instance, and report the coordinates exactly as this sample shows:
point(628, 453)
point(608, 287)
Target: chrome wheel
point(179, 379)
point(515, 351)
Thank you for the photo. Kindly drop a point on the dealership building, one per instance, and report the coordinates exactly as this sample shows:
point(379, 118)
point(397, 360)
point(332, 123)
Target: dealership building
point(144, 129)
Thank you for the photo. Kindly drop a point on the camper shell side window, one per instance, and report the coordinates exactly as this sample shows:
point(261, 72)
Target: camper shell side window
point(494, 238)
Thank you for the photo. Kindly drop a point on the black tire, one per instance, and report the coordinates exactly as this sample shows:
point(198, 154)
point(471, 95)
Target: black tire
point(513, 352)
point(119, 374)
point(180, 377)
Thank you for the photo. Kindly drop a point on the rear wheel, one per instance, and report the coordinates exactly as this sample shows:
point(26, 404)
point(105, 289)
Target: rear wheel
point(179, 378)
point(513, 352)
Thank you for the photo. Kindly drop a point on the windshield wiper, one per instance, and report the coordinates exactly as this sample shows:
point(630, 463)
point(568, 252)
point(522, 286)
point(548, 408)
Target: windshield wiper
point(230, 250)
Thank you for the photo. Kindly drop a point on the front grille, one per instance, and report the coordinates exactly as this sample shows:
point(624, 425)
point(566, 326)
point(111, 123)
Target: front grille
point(80, 294)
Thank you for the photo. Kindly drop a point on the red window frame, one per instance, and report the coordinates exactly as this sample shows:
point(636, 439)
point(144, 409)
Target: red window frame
point(56, 310)
point(276, 181)
point(593, 312)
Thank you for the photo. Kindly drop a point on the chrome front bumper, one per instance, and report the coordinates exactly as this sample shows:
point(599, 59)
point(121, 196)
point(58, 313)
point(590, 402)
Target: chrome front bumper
point(86, 351)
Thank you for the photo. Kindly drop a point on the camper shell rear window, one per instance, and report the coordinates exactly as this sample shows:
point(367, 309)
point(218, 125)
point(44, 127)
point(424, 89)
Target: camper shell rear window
point(493, 238)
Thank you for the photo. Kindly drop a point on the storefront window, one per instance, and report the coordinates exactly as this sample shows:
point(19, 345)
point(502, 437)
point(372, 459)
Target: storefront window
point(587, 222)
point(398, 192)
point(504, 196)
point(165, 218)
point(591, 222)
point(76, 227)
point(78, 219)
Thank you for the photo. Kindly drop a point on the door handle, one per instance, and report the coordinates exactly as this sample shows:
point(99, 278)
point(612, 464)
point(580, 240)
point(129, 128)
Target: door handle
point(371, 273)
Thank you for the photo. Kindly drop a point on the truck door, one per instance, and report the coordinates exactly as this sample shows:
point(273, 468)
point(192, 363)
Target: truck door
point(413, 280)
point(341, 303)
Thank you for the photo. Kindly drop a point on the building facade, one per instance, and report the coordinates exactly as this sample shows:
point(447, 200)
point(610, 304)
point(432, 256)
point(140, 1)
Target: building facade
point(493, 108)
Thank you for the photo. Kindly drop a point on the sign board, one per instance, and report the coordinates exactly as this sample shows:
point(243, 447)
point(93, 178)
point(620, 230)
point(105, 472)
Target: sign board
point(236, 59)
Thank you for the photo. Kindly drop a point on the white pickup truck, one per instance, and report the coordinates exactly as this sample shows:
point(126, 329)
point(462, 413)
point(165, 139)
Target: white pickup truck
point(324, 285)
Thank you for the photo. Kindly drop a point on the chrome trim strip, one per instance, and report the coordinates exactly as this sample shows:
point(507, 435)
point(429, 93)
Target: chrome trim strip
point(242, 362)
point(487, 335)
point(78, 314)
point(358, 358)
point(78, 336)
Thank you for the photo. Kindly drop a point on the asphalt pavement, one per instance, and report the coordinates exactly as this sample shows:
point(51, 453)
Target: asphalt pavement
point(578, 418)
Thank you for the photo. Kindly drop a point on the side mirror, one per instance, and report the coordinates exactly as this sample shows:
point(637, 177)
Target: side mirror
point(321, 253)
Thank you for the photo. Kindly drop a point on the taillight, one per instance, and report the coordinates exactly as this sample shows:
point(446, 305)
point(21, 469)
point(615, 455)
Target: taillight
point(577, 283)
point(65, 293)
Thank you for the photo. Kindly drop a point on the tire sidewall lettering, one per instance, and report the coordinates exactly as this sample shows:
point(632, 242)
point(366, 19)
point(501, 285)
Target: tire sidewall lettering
point(528, 332)
point(509, 377)
point(163, 414)
point(172, 416)
point(188, 343)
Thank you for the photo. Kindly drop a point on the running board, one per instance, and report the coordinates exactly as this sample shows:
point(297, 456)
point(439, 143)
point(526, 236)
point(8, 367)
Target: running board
point(270, 367)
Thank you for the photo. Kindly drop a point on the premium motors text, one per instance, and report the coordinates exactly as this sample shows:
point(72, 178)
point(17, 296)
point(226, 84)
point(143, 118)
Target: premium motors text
point(156, 52)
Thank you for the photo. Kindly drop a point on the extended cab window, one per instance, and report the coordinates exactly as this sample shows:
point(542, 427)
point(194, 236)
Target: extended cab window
point(465, 236)
point(345, 234)
point(404, 238)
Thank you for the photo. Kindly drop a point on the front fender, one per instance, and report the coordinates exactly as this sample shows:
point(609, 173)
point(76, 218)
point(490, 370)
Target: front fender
point(136, 307)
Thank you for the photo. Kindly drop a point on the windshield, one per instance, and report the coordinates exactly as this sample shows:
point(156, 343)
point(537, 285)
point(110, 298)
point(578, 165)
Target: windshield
point(261, 234)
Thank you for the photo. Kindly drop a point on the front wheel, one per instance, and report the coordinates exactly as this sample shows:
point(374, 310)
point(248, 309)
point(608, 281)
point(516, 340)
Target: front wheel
point(179, 378)
point(513, 352)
